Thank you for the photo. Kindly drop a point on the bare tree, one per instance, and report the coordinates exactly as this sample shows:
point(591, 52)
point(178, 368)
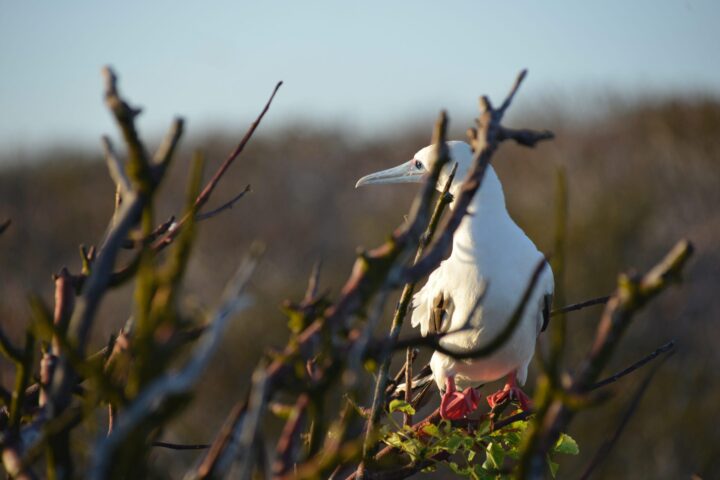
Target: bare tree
point(357, 436)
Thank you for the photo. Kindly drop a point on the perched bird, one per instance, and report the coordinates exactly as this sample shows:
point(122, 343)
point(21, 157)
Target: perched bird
point(491, 258)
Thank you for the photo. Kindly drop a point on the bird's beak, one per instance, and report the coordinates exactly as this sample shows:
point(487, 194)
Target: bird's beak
point(404, 173)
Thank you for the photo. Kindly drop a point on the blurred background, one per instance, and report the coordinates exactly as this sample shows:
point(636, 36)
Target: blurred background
point(632, 91)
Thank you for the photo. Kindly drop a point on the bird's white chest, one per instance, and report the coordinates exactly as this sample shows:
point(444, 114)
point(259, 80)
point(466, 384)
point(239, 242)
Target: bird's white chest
point(502, 269)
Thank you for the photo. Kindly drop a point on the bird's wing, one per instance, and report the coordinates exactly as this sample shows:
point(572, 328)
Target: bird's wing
point(432, 305)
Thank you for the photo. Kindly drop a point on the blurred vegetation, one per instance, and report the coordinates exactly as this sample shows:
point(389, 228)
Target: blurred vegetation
point(640, 177)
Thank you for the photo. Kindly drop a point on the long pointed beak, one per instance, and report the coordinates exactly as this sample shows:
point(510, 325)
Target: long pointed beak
point(404, 173)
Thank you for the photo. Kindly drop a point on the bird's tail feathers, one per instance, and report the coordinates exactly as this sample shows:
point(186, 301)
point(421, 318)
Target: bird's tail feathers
point(420, 385)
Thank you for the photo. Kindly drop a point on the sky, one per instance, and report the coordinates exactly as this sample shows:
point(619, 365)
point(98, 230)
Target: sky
point(367, 66)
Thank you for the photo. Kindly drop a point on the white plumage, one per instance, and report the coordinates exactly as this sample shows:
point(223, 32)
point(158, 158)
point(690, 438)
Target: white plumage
point(488, 246)
point(490, 254)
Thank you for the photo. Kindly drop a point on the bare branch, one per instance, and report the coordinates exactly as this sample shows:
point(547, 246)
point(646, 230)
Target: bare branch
point(525, 137)
point(287, 445)
point(632, 293)
point(204, 195)
point(132, 243)
point(579, 306)
point(513, 90)
point(115, 167)
point(313, 282)
point(225, 439)
point(250, 428)
point(604, 450)
point(409, 357)
point(226, 206)
point(138, 168)
point(668, 348)
point(181, 446)
point(207, 191)
point(4, 225)
point(96, 284)
point(153, 397)
point(167, 148)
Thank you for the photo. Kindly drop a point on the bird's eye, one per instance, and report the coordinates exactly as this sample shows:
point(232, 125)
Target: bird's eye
point(418, 165)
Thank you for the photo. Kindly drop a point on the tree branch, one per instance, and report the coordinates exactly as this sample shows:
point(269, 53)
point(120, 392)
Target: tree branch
point(206, 192)
point(604, 451)
point(632, 293)
point(579, 306)
point(153, 396)
point(668, 348)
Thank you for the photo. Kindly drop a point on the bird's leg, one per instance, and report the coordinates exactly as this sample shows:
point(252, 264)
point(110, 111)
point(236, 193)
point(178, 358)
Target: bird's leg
point(511, 391)
point(456, 405)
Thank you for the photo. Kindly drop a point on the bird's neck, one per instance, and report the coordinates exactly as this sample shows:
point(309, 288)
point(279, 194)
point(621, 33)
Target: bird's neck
point(489, 199)
point(485, 214)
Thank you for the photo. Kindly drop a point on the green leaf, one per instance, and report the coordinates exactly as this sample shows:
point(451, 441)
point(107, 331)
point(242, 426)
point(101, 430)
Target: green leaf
point(458, 470)
point(431, 430)
point(401, 406)
point(479, 473)
point(482, 429)
point(394, 440)
point(567, 445)
point(494, 456)
point(453, 443)
point(553, 467)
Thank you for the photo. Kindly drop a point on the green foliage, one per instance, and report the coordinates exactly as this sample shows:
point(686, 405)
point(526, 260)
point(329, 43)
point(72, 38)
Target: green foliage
point(401, 406)
point(474, 450)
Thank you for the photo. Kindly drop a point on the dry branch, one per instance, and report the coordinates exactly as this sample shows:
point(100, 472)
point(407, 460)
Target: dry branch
point(631, 295)
point(153, 397)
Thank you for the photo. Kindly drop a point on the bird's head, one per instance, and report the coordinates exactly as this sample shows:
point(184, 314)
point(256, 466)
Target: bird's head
point(416, 169)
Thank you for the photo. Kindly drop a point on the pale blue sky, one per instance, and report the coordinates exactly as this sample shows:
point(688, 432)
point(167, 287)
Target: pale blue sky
point(360, 64)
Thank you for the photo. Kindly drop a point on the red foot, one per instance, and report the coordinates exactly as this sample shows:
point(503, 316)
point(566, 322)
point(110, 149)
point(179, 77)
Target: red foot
point(456, 405)
point(510, 392)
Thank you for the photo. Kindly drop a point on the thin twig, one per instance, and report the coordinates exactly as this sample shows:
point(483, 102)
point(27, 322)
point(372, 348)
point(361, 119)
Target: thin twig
point(513, 90)
point(226, 206)
point(4, 225)
point(668, 348)
point(287, 444)
point(181, 446)
point(204, 195)
point(313, 282)
point(115, 167)
point(407, 417)
point(604, 450)
point(579, 306)
point(161, 229)
point(166, 150)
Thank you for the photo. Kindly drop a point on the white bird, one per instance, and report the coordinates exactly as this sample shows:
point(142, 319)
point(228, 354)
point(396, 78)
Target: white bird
point(489, 249)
